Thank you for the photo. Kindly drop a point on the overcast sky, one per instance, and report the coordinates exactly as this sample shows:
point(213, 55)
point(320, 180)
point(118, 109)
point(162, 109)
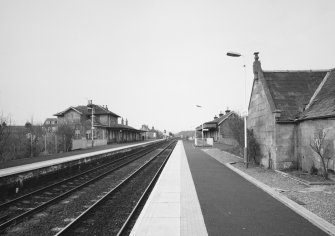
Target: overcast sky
point(152, 61)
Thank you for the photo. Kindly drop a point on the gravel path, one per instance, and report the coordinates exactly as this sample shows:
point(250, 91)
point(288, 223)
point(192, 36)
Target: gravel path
point(319, 199)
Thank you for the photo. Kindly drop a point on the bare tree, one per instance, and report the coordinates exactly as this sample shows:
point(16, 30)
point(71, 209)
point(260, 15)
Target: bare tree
point(236, 129)
point(66, 133)
point(33, 143)
point(320, 145)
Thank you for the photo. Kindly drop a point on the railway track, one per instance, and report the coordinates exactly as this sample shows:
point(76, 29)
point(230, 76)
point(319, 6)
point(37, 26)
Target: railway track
point(114, 213)
point(16, 210)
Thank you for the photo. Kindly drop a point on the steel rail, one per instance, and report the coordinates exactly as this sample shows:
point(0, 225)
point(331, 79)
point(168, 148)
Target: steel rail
point(24, 215)
point(146, 192)
point(71, 225)
point(5, 204)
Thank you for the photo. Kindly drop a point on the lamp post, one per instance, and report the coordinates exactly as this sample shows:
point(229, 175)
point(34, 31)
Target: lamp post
point(90, 106)
point(202, 129)
point(92, 128)
point(245, 114)
point(45, 139)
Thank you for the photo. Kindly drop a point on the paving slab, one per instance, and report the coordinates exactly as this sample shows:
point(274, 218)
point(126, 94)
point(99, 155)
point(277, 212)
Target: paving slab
point(172, 208)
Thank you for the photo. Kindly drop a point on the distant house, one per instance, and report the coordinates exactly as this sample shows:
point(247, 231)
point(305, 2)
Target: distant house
point(149, 133)
point(219, 129)
point(50, 125)
point(106, 128)
point(286, 109)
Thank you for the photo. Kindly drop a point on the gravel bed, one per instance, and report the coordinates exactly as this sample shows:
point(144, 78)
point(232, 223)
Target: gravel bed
point(54, 218)
point(35, 200)
point(319, 199)
point(51, 178)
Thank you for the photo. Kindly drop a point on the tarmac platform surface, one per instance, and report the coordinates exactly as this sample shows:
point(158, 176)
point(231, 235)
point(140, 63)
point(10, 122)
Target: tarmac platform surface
point(197, 195)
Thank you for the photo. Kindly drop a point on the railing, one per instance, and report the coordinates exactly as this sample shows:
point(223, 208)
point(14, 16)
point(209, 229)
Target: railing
point(199, 142)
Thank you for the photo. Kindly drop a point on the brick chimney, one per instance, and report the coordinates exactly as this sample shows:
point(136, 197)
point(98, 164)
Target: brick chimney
point(122, 121)
point(106, 108)
point(256, 66)
point(126, 121)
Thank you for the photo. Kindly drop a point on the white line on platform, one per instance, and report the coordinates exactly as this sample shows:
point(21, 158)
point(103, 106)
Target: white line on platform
point(173, 207)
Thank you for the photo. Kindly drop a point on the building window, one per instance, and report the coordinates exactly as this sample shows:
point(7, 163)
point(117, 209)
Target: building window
point(77, 134)
point(88, 134)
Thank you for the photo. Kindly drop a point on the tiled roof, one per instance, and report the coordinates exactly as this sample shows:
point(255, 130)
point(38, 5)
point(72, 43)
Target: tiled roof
point(292, 90)
point(113, 126)
point(84, 110)
point(323, 104)
point(215, 122)
point(219, 120)
point(124, 127)
point(51, 119)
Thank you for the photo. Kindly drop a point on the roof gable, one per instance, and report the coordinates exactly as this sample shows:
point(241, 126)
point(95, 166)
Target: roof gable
point(85, 110)
point(323, 102)
point(292, 90)
point(215, 122)
point(220, 119)
point(68, 109)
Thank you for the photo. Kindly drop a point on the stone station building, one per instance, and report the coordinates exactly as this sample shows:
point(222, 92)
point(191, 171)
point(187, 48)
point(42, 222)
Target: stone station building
point(219, 129)
point(286, 110)
point(106, 128)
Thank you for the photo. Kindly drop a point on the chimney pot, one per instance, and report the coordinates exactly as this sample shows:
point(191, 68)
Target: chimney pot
point(215, 117)
point(126, 121)
point(256, 66)
point(221, 114)
point(122, 121)
point(227, 111)
point(256, 56)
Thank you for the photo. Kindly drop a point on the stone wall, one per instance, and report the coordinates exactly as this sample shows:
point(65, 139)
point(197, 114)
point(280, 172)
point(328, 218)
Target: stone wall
point(72, 116)
point(107, 120)
point(84, 143)
point(285, 145)
point(261, 121)
point(306, 132)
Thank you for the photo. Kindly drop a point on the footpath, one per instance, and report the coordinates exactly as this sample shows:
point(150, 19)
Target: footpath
point(200, 192)
point(232, 205)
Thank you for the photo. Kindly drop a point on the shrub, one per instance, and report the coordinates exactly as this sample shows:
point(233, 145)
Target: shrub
point(253, 148)
point(236, 125)
point(313, 170)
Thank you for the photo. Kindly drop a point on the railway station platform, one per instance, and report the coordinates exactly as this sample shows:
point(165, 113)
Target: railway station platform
point(197, 195)
point(173, 207)
point(40, 166)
